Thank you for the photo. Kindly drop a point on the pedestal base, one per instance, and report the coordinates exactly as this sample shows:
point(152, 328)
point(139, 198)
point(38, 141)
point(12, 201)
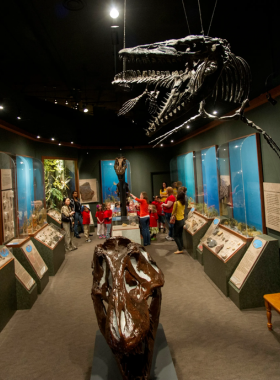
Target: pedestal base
point(104, 366)
point(52, 257)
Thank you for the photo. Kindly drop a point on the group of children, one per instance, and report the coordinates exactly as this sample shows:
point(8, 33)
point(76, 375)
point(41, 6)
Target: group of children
point(104, 216)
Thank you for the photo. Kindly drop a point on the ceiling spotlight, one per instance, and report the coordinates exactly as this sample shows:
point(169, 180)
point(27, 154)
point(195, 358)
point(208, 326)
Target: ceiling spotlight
point(114, 13)
point(188, 126)
point(72, 142)
point(215, 112)
point(55, 101)
point(19, 117)
point(114, 26)
point(66, 101)
point(38, 137)
point(161, 144)
point(85, 108)
point(120, 148)
point(52, 139)
point(172, 140)
point(59, 143)
point(270, 99)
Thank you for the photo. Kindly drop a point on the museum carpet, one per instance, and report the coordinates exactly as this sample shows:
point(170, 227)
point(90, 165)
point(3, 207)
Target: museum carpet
point(208, 336)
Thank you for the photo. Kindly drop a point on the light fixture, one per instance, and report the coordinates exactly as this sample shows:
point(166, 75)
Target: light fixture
point(59, 143)
point(1, 107)
point(172, 140)
point(114, 26)
point(66, 101)
point(87, 152)
point(38, 137)
point(161, 144)
point(19, 117)
point(114, 13)
point(85, 108)
point(120, 148)
point(55, 101)
point(52, 139)
point(215, 112)
point(188, 126)
point(72, 142)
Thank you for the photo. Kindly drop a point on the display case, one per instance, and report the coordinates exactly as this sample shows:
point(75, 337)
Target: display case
point(8, 219)
point(8, 300)
point(31, 195)
point(27, 254)
point(26, 287)
point(54, 216)
point(240, 192)
point(257, 273)
point(207, 199)
point(109, 180)
point(209, 232)
point(222, 252)
point(127, 226)
point(195, 227)
point(50, 242)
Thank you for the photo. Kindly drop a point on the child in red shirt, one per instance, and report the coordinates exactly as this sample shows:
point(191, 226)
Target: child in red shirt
point(108, 214)
point(161, 218)
point(100, 222)
point(86, 222)
point(153, 221)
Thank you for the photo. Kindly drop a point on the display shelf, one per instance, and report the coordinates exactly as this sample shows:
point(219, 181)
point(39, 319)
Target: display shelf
point(54, 216)
point(209, 232)
point(257, 274)
point(8, 297)
point(222, 252)
point(27, 254)
point(195, 227)
point(51, 244)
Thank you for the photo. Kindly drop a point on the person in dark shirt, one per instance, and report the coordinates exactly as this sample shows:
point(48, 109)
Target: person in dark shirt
point(76, 206)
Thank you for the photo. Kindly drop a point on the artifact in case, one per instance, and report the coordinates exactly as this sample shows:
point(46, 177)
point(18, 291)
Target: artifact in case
point(51, 235)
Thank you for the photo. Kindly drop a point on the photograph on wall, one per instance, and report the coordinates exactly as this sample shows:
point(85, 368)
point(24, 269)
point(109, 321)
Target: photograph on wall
point(88, 190)
point(109, 180)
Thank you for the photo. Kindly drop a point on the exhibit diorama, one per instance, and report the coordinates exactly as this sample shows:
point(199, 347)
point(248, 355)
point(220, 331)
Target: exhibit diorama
point(117, 101)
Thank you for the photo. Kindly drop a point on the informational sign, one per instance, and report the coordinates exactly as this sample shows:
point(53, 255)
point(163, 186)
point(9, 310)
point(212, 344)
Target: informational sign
point(6, 179)
point(34, 258)
point(248, 261)
point(272, 205)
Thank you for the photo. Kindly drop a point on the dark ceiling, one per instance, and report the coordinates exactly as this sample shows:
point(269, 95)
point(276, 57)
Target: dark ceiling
point(49, 52)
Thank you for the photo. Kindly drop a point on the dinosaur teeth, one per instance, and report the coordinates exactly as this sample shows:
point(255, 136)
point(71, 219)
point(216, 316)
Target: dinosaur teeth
point(161, 120)
point(183, 104)
point(166, 117)
point(179, 108)
point(175, 111)
point(170, 114)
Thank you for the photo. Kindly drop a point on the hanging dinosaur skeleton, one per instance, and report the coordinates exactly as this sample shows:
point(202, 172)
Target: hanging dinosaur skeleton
point(209, 68)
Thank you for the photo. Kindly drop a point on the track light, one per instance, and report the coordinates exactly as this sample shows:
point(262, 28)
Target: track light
point(188, 126)
point(172, 140)
point(59, 143)
point(55, 101)
point(270, 99)
point(19, 117)
point(66, 101)
point(72, 142)
point(85, 108)
point(114, 13)
point(215, 112)
point(38, 137)
point(161, 144)
point(52, 139)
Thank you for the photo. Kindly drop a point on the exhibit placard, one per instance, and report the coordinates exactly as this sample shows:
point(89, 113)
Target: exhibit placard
point(272, 205)
point(248, 261)
point(6, 179)
point(34, 258)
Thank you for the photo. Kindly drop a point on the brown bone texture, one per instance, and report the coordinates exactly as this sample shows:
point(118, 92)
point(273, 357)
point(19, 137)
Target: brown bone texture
point(126, 294)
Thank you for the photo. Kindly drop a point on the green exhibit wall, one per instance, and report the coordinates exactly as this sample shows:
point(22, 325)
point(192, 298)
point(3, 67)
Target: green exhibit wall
point(147, 161)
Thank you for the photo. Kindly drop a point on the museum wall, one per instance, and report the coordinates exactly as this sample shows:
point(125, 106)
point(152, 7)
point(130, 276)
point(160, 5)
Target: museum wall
point(143, 161)
point(267, 117)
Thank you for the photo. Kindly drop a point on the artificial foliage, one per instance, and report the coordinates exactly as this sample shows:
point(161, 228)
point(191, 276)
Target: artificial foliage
point(56, 182)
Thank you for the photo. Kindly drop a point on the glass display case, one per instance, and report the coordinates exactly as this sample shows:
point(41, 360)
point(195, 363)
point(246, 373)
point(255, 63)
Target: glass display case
point(207, 201)
point(240, 196)
point(8, 217)
point(50, 236)
point(126, 221)
point(31, 195)
point(109, 180)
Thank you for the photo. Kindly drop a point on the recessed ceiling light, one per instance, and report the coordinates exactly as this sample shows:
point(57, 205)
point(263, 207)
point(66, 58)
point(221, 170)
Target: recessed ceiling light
point(215, 112)
point(72, 142)
point(55, 101)
point(59, 143)
point(19, 117)
point(66, 101)
point(114, 13)
point(52, 139)
point(161, 144)
point(1, 107)
point(188, 126)
point(172, 140)
point(38, 137)
point(85, 109)
point(114, 26)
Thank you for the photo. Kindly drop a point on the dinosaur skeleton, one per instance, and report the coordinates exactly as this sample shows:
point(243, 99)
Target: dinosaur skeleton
point(208, 68)
point(125, 279)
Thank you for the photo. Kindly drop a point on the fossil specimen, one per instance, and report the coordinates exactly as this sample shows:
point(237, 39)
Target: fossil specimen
point(205, 66)
point(125, 279)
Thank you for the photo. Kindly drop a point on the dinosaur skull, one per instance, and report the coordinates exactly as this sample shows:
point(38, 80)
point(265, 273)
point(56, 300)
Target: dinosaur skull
point(125, 279)
point(120, 165)
point(205, 66)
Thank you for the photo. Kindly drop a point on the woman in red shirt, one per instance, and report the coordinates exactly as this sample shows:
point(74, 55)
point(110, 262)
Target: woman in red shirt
point(167, 208)
point(144, 216)
point(108, 214)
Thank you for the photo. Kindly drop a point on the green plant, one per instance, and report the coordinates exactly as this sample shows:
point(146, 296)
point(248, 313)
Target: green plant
point(56, 182)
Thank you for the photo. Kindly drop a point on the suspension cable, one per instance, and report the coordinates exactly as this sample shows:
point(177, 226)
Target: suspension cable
point(212, 17)
point(202, 31)
point(186, 16)
point(124, 22)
